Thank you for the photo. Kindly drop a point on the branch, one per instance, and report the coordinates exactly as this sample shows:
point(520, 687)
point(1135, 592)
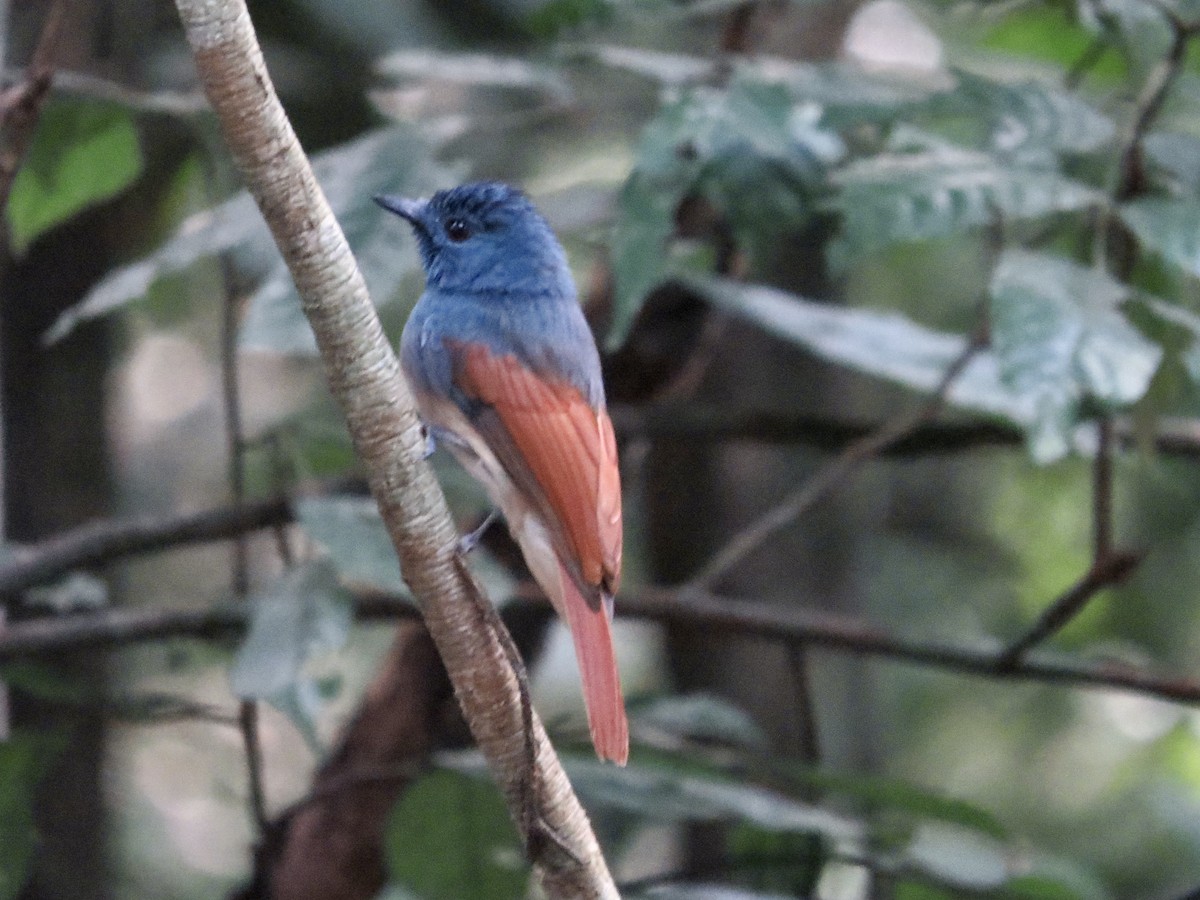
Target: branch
point(364, 377)
point(21, 105)
point(107, 540)
point(834, 472)
point(840, 634)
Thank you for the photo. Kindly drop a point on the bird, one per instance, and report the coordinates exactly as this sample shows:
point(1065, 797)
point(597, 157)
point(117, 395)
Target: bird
point(506, 376)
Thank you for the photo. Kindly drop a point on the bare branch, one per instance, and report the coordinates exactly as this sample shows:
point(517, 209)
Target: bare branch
point(119, 627)
point(364, 377)
point(108, 540)
point(832, 474)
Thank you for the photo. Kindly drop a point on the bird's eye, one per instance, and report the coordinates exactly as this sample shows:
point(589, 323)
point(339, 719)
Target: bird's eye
point(456, 230)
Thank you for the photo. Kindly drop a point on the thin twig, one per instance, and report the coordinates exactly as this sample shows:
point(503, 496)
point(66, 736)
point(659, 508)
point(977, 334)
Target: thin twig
point(21, 105)
point(1105, 571)
point(109, 540)
point(248, 719)
point(832, 474)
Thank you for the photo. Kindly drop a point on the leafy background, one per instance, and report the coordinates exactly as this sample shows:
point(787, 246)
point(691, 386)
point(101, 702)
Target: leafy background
point(799, 234)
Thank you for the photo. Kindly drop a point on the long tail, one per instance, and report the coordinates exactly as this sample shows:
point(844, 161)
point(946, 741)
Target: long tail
point(592, 633)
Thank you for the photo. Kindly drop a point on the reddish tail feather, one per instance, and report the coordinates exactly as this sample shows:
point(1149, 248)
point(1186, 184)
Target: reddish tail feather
point(592, 633)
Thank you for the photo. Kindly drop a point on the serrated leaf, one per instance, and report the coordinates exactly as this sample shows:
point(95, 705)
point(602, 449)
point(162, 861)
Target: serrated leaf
point(1170, 228)
point(748, 149)
point(704, 718)
point(1061, 339)
point(393, 160)
point(884, 344)
point(451, 838)
point(303, 613)
point(82, 153)
point(1032, 120)
point(25, 758)
point(923, 189)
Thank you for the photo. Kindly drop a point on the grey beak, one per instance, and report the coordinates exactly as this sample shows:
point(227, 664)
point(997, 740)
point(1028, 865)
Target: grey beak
point(402, 206)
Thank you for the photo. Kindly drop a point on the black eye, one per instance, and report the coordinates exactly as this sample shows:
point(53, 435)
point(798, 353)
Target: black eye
point(456, 230)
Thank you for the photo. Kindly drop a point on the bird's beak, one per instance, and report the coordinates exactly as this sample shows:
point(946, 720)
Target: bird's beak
point(402, 206)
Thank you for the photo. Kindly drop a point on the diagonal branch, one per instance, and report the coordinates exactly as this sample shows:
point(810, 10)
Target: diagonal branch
point(833, 473)
point(364, 377)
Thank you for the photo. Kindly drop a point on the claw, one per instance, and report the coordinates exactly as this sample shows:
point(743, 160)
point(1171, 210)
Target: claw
point(471, 539)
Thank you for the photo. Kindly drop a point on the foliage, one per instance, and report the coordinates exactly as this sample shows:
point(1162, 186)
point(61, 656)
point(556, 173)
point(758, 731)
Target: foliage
point(1036, 213)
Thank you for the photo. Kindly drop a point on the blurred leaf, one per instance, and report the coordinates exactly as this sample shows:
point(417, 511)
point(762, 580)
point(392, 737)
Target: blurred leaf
point(959, 857)
point(475, 69)
point(1170, 228)
point(303, 613)
point(883, 344)
point(554, 16)
point(747, 149)
point(687, 891)
point(1061, 340)
point(661, 794)
point(1040, 887)
point(1143, 32)
point(1176, 157)
point(666, 68)
point(451, 838)
point(892, 794)
point(77, 590)
point(25, 758)
point(393, 160)
point(351, 529)
point(1046, 32)
point(701, 717)
point(82, 153)
point(925, 188)
point(360, 549)
point(1032, 121)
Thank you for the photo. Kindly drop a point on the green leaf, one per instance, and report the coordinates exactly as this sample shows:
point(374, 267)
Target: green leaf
point(884, 344)
point(393, 160)
point(959, 857)
point(82, 153)
point(1061, 340)
point(25, 758)
point(893, 795)
point(1175, 159)
point(925, 188)
point(1032, 120)
point(303, 613)
point(663, 794)
point(1170, 228)
point(747, 149)
point(450, 838)
point(351, 530)
point(689, 891)
point(700, 717)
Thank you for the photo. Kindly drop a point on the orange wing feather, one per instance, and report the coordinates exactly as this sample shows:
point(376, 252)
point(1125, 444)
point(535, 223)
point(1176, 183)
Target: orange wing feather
point(567, 448)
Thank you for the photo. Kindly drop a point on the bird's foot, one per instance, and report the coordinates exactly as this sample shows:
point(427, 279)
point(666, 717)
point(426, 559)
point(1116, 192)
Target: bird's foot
point(471, 539)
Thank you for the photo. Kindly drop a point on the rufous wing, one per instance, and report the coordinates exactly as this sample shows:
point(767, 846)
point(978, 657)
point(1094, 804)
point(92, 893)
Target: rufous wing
point(561, 453)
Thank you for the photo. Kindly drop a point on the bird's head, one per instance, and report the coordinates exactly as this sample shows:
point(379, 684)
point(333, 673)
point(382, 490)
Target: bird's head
point(485, 237)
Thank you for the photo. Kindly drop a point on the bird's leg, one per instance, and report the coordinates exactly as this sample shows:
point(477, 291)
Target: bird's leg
point(471, 539)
